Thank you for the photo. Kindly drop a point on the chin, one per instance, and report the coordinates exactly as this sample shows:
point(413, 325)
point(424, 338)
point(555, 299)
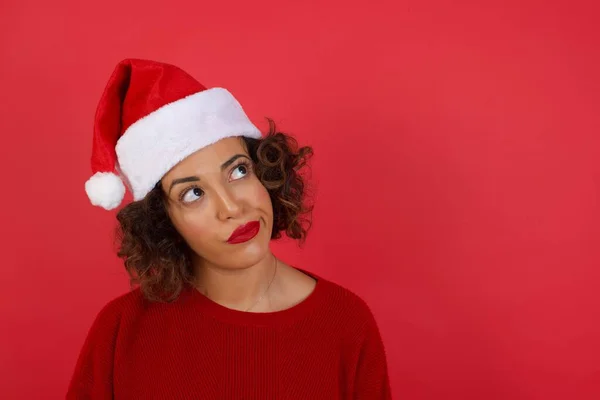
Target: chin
point(241, 255)
point(247, 254)
point(251, 254)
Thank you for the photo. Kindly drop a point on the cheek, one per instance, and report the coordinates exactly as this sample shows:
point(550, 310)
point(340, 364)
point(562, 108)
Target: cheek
point(195, 227)
point(259, 197)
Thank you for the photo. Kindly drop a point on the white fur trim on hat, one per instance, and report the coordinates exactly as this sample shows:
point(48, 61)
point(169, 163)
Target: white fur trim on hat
point(153, 145)
point(105, 189)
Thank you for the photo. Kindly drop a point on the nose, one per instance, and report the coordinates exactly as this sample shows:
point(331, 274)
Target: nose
point(228, 206)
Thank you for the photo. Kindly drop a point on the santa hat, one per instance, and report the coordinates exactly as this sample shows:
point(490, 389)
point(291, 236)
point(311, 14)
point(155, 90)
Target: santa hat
point(151, 116)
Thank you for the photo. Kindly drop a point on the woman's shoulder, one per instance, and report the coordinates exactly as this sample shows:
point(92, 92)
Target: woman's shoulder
point(348, 299)
point(346, 306)
point(112, 312)
point(365, 358)
point(348, 314)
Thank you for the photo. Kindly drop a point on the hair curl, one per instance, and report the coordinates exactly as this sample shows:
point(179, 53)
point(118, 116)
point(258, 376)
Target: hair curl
point(156, 256)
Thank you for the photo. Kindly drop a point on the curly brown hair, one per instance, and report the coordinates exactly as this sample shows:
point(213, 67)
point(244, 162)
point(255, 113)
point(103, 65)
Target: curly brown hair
point(157, 258)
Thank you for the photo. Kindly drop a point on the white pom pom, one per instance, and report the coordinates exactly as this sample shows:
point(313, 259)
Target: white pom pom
point(105, 189)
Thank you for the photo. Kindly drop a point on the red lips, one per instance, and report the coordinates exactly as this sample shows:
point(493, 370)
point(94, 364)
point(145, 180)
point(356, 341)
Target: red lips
point(244, 233)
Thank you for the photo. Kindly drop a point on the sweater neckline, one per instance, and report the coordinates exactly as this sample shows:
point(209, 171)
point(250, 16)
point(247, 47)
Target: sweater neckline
point(297, 311)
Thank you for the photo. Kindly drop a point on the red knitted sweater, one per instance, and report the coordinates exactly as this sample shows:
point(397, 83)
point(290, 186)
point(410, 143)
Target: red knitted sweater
point(326, 347)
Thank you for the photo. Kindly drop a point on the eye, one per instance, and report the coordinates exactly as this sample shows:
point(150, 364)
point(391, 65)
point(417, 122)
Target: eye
point(191, 195)
point(240, 171)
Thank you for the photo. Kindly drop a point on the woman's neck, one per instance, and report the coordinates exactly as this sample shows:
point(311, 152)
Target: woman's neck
point(237, 288)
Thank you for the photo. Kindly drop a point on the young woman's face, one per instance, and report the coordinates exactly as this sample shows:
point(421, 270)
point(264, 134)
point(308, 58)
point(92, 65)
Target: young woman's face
point(219, 206)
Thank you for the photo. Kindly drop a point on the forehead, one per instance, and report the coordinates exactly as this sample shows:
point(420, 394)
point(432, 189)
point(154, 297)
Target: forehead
point(208, 158)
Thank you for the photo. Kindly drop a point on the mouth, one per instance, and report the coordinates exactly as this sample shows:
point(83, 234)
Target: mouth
point(244, 232)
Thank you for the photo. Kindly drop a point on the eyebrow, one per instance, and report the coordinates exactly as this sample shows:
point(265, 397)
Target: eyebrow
point(195, 178)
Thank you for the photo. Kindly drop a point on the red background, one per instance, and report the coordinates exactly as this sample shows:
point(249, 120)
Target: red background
point(456, 174)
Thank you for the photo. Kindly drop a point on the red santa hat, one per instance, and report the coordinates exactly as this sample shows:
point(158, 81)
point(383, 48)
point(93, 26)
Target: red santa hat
point(151, 116)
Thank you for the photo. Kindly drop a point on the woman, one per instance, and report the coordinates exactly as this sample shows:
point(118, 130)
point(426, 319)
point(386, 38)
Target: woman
point(215, 315)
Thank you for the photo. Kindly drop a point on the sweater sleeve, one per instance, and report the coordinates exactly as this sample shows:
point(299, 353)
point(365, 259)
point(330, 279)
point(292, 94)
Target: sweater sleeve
point(92, 378)
point(372, 379)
